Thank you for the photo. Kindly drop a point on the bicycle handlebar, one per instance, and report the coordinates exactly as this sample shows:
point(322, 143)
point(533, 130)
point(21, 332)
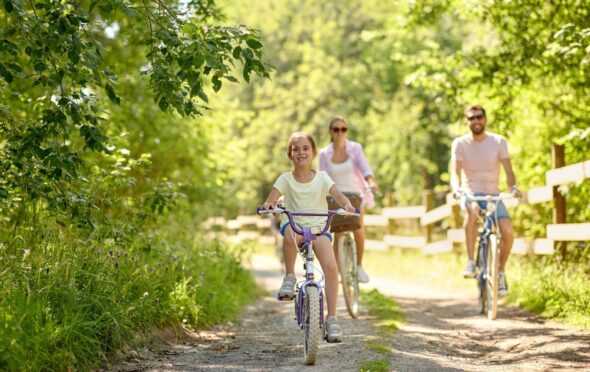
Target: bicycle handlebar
point(502, 196)
point(329, 214)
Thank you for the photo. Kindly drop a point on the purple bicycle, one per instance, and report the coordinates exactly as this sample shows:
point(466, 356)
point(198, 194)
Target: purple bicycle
point(309, 297)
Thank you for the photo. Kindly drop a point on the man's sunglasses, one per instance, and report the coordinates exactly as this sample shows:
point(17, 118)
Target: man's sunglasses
point(342, 129)
point(475, 117)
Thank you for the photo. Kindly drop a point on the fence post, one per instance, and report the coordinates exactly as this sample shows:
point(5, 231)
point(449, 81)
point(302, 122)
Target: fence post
point(559, 203)
point(390, 200)
point(428, 202)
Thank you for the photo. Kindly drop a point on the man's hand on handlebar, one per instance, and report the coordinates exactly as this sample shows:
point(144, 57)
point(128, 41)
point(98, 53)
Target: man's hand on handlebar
point(516, 192)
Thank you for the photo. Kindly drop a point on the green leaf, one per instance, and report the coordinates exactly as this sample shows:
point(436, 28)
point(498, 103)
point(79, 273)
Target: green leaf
point(6, 74)
point(14, 67)
point(128, 11)
point(253, 43)
point(216, 83)
point(247, 70)
point(203, 96)
point(8, 6)
point(237, 52)
point(39, 66)
point(111, 94)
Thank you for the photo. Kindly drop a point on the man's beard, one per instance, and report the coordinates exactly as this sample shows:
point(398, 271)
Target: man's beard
point(477, 131)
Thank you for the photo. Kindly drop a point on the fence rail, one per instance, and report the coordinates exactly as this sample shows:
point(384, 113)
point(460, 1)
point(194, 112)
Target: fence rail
point(558, 231)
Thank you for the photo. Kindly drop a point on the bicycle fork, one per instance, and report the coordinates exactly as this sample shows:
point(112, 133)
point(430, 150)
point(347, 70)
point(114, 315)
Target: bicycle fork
point(308, 265)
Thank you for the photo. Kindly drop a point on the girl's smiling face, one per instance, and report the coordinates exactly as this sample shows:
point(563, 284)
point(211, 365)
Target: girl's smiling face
point(301, 152)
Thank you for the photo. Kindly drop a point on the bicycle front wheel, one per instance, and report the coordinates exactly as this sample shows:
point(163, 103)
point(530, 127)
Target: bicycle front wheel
point(311, 323)
point(492, 275)
point(348, 273)
point(481, 281)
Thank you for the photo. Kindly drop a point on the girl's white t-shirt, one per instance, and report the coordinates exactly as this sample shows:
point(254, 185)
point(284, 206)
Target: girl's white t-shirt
point(305, 197)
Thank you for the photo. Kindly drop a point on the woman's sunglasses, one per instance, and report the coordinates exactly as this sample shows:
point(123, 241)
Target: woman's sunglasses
point(337, 129)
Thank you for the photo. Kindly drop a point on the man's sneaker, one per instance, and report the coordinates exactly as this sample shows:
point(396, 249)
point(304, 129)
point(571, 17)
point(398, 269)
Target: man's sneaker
point(287, 290)
point(502, 285)
point(469, 271)
point(363, 277)
point(333, 330)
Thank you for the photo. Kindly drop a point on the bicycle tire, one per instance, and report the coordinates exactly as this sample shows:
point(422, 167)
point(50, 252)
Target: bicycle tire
point(480, 280)
point(311, 324)
point(492, 269)
point(349, 273)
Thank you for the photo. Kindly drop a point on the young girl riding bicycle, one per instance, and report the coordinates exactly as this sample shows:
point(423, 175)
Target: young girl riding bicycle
point(305, 188)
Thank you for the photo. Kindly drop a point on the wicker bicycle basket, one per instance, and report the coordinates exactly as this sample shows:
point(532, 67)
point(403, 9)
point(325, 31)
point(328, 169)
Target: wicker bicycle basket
point(341, 223)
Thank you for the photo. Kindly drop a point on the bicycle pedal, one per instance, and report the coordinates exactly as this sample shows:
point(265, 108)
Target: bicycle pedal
point(285, 298)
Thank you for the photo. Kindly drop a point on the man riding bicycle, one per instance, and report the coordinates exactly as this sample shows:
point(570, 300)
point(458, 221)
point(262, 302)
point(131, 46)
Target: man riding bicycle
point(475, 159)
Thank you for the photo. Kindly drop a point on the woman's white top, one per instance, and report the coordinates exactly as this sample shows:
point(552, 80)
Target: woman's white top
point(343, 175)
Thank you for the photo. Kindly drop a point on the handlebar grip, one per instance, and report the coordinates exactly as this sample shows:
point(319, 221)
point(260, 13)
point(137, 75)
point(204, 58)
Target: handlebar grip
point(276, 209)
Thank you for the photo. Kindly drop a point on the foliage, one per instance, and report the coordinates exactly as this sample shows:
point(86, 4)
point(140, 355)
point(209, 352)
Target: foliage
point(375, 366)
point(68, 302)
point(389, 317)
point(402, 73)
point(103, 168)
point(554, 291)
point(60, 61)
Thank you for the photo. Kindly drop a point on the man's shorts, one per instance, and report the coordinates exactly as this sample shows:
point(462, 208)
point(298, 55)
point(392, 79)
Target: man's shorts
point(502, 212)
point(284, 227)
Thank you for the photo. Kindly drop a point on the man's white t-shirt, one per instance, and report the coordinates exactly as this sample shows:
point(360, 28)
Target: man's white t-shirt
point(309, 196)
point(480, 161)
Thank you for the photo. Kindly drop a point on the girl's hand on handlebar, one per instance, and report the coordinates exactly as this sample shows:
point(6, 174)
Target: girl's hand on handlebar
point(266, 206)
point(350, 208)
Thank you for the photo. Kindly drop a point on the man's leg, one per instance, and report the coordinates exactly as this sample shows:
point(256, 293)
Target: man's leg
point(507, 231)
point(470, 227)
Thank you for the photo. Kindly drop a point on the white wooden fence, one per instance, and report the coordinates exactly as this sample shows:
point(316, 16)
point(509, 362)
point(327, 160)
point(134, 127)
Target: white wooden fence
point(256, 227)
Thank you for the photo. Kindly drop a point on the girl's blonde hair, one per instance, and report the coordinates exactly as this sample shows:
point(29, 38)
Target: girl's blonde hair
point(297, 135)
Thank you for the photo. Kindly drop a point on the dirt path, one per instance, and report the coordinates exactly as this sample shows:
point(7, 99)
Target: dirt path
point(442, 332)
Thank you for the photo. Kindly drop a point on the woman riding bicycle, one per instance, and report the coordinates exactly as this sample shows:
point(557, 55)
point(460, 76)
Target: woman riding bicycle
point(347, 165)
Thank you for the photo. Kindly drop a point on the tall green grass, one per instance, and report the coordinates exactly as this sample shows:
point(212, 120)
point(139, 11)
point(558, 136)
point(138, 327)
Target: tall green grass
point(560, 292)
point(67, 300)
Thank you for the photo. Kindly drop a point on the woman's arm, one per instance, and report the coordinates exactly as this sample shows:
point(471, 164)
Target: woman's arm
point(361, 160)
